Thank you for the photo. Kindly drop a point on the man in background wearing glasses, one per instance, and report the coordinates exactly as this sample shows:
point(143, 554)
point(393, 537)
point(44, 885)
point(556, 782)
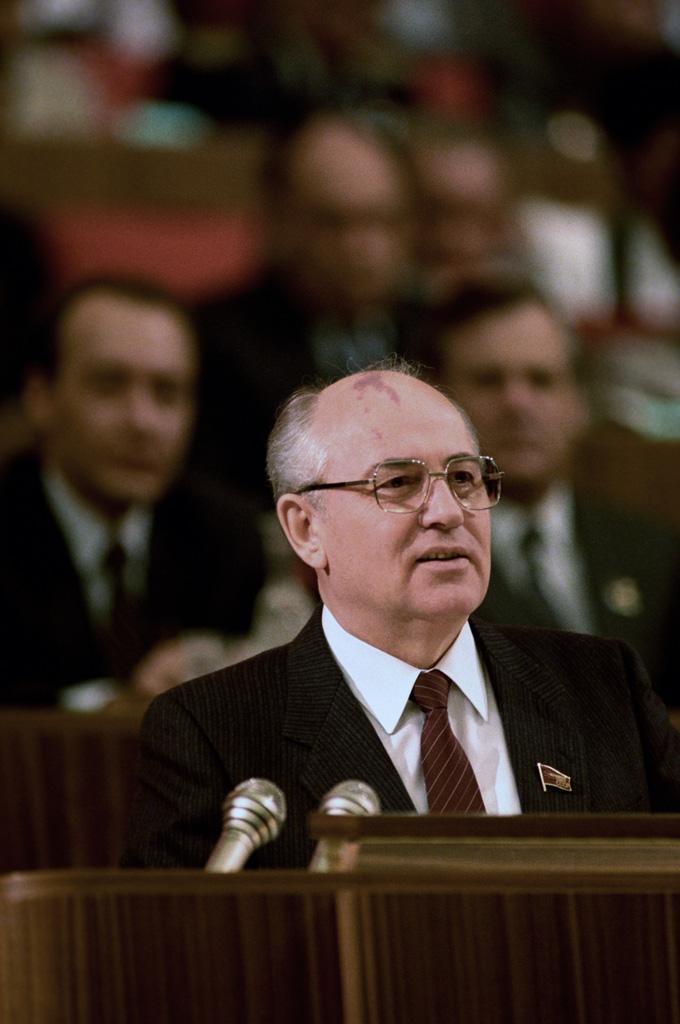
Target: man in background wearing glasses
point(380, 488)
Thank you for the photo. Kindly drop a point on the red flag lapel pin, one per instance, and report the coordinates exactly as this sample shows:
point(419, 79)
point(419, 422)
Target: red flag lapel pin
point(552, 777)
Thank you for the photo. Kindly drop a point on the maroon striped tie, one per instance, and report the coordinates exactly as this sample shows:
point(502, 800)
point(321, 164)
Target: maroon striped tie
point(449, 779)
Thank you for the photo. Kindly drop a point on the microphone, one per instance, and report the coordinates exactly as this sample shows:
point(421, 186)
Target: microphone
point(349, 797)
point(252, 815)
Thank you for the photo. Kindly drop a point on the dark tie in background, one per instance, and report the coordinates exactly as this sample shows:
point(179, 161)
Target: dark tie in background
point(449, 779)
point(543, 612)
point(123, 634)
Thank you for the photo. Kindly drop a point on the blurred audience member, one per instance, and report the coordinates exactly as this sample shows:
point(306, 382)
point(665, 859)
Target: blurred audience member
point(331, 299)
point(24, 280)
point(74, 67)
point(284, 58)
point(466, 224)
point(111, 568)
point(639, 106)
point(621, 265)
point(560, 559)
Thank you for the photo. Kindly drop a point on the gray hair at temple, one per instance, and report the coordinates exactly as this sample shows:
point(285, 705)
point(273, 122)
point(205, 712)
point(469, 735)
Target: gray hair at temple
point(295, 454)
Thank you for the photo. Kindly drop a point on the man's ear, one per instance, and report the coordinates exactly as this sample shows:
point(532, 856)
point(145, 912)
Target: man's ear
point(580, 413)
point(299, 521)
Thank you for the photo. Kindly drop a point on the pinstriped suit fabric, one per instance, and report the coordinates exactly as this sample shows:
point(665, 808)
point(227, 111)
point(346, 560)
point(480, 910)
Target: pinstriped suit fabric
point(578, 703)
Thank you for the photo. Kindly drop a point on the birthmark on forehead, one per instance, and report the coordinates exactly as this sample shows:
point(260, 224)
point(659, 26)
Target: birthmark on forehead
point(376, 382)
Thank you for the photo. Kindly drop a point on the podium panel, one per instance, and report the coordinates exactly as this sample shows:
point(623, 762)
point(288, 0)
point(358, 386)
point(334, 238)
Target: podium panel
point(481, 920)
point(66, 781)
point(173, 947)
point(498, 955)
point(477, 921)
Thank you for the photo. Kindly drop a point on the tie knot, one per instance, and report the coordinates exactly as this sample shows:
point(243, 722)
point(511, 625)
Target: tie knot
point(115, 557)
point(431, 690)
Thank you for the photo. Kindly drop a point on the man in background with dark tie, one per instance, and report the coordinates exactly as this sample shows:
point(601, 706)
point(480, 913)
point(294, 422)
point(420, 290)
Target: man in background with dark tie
point(333, 294)
point(381, 489)
point(117, 578)
point(562, 558)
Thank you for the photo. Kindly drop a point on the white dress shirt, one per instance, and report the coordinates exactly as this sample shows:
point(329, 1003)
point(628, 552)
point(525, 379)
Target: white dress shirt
point(382, 684)
point(89, 538)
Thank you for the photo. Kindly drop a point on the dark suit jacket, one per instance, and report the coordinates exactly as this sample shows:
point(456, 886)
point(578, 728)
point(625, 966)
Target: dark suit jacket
point(205, 569)
point(580, 704)
point(256, 349)
point(633, 570)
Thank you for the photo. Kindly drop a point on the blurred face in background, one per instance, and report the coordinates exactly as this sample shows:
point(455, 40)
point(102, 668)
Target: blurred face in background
point(511, 371)
point(342, 224)
point(116, 416)
point(465, 228)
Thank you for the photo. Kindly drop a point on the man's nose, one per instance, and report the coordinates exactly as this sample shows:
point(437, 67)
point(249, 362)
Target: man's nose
point(441, 505)
point(517, 394)
point(140, 408)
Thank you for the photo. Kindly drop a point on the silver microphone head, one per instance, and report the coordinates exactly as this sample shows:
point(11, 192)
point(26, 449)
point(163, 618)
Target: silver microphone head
point(350, 797)
point(256, 807)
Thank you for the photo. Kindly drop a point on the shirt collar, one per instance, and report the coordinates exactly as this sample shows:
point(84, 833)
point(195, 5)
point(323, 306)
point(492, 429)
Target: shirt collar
point(383, 683)
point(87, 534)
point(553, 515)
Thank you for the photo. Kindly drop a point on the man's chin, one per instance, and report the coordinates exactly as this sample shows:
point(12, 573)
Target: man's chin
point(128, 489)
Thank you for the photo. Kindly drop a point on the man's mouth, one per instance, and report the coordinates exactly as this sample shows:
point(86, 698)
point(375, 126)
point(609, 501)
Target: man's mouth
point(441, 556)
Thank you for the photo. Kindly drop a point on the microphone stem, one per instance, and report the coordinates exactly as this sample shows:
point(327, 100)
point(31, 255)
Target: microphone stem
point(334, 855)
point(231, 852)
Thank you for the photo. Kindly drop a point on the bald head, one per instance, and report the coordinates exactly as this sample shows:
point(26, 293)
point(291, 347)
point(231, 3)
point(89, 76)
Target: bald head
point(382, 414)
point(340, 214)
point(363, 406)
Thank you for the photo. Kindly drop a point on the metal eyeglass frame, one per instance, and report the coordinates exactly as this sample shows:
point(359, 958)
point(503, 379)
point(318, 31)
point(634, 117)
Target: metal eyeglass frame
point(490, 471)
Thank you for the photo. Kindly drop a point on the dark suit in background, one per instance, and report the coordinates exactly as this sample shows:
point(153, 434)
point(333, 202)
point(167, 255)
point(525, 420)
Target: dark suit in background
point(633, 577)
point(288, 715)
point(205, 569)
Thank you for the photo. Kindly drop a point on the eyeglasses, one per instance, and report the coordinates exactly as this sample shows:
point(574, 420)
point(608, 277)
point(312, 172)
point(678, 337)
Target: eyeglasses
point(403, 485)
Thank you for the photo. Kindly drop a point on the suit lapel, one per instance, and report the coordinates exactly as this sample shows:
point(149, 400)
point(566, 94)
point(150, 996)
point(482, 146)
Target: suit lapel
point(537, 720)
point(323, 715)
point(65, 624)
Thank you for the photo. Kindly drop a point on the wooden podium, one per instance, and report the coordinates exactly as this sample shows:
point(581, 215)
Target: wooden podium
point(490, 920)
point(565, 920)
point(66, 782)
point(154, 947)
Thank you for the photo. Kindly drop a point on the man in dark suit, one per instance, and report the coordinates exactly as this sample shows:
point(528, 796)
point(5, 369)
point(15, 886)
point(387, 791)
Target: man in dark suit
point(381, 490)
point(331, 296)
point(561, 557)
point(113, 569)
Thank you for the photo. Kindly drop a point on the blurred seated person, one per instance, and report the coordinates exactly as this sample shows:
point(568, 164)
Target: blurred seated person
point(466, 227)
point(560, 559)
point(76, 68)
point(117, 578)
point(618, 264)
point(331, 299)
point(24, 281)
point(281, 59)
point(475, 224)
